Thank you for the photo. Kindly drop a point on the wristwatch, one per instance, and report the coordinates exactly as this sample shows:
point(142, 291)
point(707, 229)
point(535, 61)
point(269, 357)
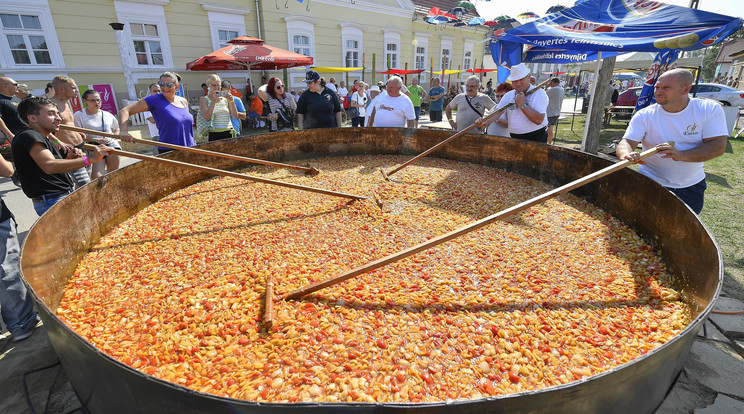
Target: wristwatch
point(524, 105)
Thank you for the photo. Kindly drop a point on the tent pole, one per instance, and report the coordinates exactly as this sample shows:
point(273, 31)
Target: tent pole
point(576, 99)
point(592, 101)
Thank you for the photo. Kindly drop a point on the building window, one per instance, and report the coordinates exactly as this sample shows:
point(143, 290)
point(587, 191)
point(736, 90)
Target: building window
point(26, 39)
point(301, 35)
point(146, 33)
point(225, 23)
point(225, 36)
point(420, 57)
point(445, 59)
point(391, 40)
point(147, 49)
point(391, 55)
point(467, 60)
point(352, 54)
point(301, 44)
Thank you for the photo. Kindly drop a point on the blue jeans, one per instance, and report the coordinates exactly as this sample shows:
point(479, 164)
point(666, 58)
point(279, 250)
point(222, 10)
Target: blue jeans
point(692, 195)
point(16, 306)
point(42, 206)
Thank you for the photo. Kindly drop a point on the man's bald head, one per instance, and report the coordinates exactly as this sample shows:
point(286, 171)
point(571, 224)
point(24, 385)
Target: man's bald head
point(683, 76)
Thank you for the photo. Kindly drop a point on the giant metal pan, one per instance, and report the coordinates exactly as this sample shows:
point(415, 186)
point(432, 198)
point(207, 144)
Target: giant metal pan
point(58, 240)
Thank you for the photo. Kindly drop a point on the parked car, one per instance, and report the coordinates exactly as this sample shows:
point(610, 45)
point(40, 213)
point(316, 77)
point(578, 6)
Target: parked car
point(627, 98)
point(727, 95)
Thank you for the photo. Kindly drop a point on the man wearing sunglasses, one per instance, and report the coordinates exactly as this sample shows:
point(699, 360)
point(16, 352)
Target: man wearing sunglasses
point(10, 122)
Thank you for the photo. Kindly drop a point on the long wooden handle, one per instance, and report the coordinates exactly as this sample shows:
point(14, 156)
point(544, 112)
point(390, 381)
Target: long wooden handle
point(307, 170)
point(227, 173)
point(459, 134)
point(463, 230)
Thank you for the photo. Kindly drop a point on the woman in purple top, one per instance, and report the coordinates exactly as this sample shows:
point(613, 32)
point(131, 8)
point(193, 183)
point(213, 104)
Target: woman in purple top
point(170, 111)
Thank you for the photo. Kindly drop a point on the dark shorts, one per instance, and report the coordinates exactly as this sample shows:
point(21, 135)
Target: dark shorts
point(538, 135)
point(692, 195)
point(417, 110)
point(435, 116)
point(552, 120)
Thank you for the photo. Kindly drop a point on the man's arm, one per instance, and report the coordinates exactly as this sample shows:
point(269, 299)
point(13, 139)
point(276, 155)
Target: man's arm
point(338, 119)
point(6, 168)
point(371, 118)
point(410, 123)
point(710, 148)
point(4, 129)
point(300, 121)
point(626, 151)
point(50, 165)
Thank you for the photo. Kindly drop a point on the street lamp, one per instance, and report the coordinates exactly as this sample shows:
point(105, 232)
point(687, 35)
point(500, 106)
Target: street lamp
point(128, 77)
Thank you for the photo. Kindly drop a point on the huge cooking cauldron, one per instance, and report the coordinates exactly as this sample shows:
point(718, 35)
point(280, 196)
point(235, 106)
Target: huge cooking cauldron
point(57, 241)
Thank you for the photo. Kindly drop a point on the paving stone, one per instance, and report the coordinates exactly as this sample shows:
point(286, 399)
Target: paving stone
point(716, 367)
point(730, 325)
point(722, 405)
point(709, 332)
point(685, 397)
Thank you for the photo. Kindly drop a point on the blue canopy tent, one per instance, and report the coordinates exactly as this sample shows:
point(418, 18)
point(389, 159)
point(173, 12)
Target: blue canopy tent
point(594, 29)
point(612, 27)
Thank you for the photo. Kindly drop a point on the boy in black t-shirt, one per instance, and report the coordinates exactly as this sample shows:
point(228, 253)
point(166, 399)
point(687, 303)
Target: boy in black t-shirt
point(41, 167)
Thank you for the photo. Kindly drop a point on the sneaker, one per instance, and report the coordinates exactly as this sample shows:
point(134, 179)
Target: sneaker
point(25, 335)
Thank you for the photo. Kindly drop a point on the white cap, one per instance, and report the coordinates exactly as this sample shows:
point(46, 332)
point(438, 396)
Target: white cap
point(374, 88)
point(518, 72)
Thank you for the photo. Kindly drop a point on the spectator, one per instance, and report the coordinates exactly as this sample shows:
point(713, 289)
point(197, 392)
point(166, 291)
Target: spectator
point(489, 89)
point(612, 96)
point(343, 94)
point(393, 109)
point(48, 90)
point(555, 101)
point(170, 111)
point(358, 101)
point(205, 88)
point(281, 104)
point(11, 123)
point(41, 167)
point(417, 94)
point(256, 108)
point(436, 101)
point(226, 87)
point(533, 80)
point(93, 117)
point(17, 308)
point(332, 85)
point(470, 106)
point(527, 118)
point(23, 91)
point(374, 92)
point(218, 107)
point(295, 95)
point(154, 89)
point(500, 127)
point(318, 106)
point(65, 89)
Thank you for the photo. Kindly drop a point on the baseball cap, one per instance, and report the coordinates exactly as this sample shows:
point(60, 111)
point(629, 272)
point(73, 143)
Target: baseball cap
point(311, 76)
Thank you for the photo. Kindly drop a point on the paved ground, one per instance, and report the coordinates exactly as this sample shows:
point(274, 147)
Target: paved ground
point(710, 383)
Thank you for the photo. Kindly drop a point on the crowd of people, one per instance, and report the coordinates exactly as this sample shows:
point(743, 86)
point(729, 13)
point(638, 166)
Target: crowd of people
point(51, 162)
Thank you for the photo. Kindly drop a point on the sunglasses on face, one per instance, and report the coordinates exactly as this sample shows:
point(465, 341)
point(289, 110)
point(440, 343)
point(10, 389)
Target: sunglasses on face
point(167, 85)
point(279, 86)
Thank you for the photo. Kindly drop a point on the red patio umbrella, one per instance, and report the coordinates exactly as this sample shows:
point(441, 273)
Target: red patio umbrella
point(249, 53)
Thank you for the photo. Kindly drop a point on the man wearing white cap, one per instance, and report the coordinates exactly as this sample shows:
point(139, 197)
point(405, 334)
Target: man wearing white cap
point(527, 119)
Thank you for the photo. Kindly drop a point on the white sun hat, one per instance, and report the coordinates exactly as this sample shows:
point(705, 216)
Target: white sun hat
point(518, 72)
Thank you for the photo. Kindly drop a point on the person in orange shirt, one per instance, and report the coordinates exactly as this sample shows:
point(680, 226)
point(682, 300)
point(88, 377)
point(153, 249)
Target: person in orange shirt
point(256, 108)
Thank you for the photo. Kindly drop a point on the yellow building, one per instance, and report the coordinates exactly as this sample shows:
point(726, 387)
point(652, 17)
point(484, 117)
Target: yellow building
point(43, 38)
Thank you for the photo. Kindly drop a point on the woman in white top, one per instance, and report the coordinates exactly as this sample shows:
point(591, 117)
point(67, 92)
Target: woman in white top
point(93, 117)
point(358, 100)
point(282, 106)
point(154, 133)
point(217, 106)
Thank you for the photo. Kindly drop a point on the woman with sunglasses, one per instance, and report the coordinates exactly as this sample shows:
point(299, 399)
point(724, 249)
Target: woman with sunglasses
point(217, 108)
point(281, 104)
point(499, 128)
point(93, 117)
point(170, 112)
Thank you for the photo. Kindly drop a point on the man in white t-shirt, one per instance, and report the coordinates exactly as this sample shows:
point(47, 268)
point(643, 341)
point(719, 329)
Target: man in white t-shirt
point(697, 127)
point(528, 117)
point(392, 109)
